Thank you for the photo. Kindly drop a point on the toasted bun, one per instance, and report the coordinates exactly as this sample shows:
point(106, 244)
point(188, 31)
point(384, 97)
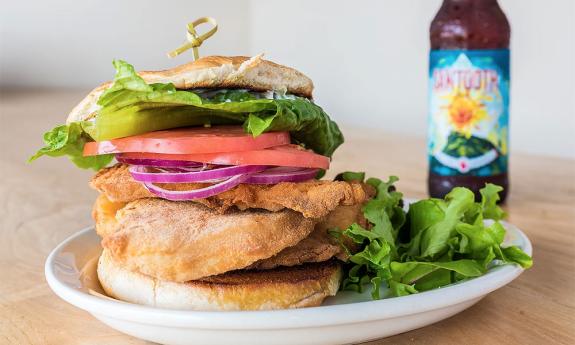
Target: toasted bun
point(214, 72)
point(181, 241)
point(281, 288)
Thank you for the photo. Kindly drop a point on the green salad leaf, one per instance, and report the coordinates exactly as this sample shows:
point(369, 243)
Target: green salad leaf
point(372, 263)
point(434, 239)
point(436, 243)
point(69, 140)
point(131, 107)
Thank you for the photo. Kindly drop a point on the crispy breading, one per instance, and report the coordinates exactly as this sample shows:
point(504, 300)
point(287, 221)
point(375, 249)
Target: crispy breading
point(104, 214)
point(313, 199)
point(118, 185)
point(319, 245)
point(181, 241)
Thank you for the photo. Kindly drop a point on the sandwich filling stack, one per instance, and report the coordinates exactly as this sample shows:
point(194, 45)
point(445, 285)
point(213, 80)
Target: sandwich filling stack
point(214, 202)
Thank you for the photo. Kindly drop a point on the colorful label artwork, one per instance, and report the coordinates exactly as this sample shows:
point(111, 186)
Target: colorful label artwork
point(469, 112)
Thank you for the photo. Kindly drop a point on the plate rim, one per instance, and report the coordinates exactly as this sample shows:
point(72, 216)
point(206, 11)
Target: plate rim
point(332, 315)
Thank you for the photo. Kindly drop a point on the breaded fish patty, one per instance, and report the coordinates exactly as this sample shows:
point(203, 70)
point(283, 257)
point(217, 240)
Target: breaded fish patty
point(181, 241)
point(313, 199)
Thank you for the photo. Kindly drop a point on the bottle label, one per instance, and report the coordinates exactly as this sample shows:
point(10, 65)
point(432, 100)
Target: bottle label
point(468, 112)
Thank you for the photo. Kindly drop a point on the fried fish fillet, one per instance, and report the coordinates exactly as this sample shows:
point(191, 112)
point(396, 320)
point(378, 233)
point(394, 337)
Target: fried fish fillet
point(313, 199)
point(318, 246)
point(181, 241)
point(104, 214)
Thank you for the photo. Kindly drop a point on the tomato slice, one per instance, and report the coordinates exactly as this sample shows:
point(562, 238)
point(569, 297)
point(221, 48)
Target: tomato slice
point(189, 140)
point(286, 155)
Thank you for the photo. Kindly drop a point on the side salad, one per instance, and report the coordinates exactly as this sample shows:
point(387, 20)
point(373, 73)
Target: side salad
point(435, 243)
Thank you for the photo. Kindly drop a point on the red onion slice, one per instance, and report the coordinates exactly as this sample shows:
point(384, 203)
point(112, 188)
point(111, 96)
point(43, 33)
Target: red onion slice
point(176, 170)
point(141, 174)
point(196, 193)
point(162, 163)
point(282, 174)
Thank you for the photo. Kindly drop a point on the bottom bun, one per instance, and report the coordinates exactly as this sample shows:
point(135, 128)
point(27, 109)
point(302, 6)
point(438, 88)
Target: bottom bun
point(280, 288)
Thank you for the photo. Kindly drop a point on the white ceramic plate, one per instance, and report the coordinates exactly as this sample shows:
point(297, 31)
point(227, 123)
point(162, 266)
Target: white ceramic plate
point(346, 318)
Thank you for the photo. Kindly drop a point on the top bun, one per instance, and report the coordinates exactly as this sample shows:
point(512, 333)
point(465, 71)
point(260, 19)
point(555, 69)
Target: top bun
point(253, 73)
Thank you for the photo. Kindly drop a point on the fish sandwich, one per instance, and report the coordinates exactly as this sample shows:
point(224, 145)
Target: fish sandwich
point(214, 201)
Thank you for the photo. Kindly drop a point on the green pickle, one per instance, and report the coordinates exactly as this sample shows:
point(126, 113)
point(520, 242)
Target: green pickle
point(127, 122)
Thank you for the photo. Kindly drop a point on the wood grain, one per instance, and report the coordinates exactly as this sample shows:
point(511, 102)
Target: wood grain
point(45, 202)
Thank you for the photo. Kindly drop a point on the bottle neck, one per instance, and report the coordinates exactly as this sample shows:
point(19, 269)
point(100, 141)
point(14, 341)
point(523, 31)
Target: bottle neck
point(470, 5)
point(470, 2)
point(469, 24)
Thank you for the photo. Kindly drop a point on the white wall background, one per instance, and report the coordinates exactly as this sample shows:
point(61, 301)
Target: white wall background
point(368, 58)
point(71, 43)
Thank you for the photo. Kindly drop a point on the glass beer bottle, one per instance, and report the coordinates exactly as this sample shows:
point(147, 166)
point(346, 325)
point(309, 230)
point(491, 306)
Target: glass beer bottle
point(469, 97)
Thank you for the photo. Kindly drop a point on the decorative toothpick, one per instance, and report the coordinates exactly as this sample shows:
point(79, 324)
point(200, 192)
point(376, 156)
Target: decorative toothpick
point(194, 41)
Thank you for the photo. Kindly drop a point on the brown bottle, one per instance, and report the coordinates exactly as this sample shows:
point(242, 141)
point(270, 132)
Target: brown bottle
point(469, 97)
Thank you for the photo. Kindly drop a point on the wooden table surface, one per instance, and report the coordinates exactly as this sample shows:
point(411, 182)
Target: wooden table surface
point(45, 202)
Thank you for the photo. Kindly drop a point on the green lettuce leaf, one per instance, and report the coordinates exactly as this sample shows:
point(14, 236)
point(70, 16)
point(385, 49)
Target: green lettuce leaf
point(489, 199)
point(434, 240)
point(437, 243)
point(424, 276)
point(69, 140)
point(515, 254)
point(399, 289)
point(371, 264)
point(350, 176)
